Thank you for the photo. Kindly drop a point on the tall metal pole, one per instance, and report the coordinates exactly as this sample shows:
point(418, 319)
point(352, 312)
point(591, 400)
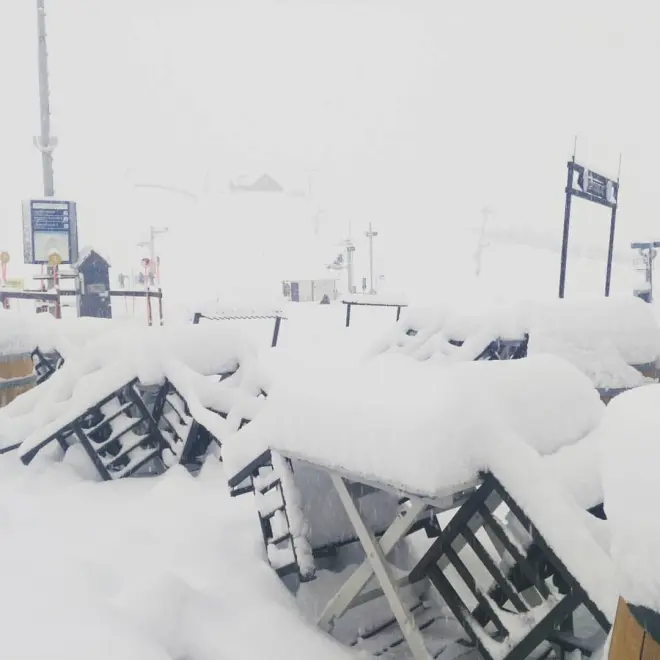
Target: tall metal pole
point(45, 142)
point(567, 223)
point(610, 253)
point(350, 251)
point(371, 234)
point(610, 249)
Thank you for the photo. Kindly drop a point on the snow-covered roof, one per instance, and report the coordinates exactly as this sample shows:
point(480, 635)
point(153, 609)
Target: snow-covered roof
point(85, 253)
point(262, 183)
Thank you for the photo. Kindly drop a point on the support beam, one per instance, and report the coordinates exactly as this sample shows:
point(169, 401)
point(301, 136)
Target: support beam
point(345, 597)
point(383, 573)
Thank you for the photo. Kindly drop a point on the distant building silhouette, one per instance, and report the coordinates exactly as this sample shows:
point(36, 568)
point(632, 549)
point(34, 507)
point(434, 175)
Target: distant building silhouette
point(264, 183)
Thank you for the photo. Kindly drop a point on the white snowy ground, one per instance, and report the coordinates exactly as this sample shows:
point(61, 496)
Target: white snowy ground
point(144, 569)
point(166, 568)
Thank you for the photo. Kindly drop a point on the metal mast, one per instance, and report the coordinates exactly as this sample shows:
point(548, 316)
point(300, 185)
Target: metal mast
point(45, 142)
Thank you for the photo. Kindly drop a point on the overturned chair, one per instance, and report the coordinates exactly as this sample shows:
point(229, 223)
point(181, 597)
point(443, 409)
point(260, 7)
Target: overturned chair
point(456, 449)
point(139, 418)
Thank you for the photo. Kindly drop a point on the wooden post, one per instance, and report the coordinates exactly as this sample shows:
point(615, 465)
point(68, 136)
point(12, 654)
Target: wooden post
point(629, 640)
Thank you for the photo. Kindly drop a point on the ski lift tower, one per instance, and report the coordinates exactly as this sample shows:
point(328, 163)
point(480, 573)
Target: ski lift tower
point(648, 252)
point(350, 264)
point(151, 246)
point(371, 234)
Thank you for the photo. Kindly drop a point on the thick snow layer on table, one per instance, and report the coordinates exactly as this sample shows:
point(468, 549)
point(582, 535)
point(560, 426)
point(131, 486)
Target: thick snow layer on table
point(429, 430)
point(110, 361)
point(626, 324)
point(630, 435)
point(415, 426)
point(144, 569)
point(603, 337)
point(578, 468)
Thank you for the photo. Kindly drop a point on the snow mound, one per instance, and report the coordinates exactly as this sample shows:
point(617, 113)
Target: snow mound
point(145, 569)
point(605, 338)
point(22, 333)
point(630, 445)
point(417, 427)
point(182, 354)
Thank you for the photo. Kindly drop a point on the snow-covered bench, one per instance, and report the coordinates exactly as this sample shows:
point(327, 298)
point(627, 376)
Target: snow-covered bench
point(614, 341)
point(471, 435)
point(449, 336)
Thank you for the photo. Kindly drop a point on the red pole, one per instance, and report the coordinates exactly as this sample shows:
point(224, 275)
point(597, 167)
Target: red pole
point(149, 318)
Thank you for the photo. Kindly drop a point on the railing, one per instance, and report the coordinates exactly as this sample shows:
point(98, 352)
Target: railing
point(243, 317)
point(55, 298)
point(352, 303)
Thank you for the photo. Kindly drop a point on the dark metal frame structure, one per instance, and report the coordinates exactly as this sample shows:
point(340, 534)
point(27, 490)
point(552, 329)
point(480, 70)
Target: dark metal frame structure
point(276, 329)
point(600, 190)
point(112, 454)
point(350, 303)
point(531, 588)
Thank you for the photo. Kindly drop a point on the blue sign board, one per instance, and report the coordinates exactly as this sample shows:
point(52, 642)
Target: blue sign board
point(49, 226)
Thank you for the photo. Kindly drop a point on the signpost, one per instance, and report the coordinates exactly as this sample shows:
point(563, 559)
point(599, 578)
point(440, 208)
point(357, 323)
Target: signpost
point(593, 187)
point(49, 225)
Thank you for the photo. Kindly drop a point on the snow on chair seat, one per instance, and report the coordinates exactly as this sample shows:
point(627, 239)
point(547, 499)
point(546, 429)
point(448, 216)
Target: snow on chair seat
point(212, 408)
point(429, 436)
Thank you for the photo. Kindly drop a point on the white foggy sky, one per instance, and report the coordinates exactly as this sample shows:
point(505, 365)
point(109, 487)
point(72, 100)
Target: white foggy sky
point(406, 108)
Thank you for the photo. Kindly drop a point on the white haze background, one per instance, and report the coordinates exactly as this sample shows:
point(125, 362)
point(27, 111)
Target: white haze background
point(412, 115)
